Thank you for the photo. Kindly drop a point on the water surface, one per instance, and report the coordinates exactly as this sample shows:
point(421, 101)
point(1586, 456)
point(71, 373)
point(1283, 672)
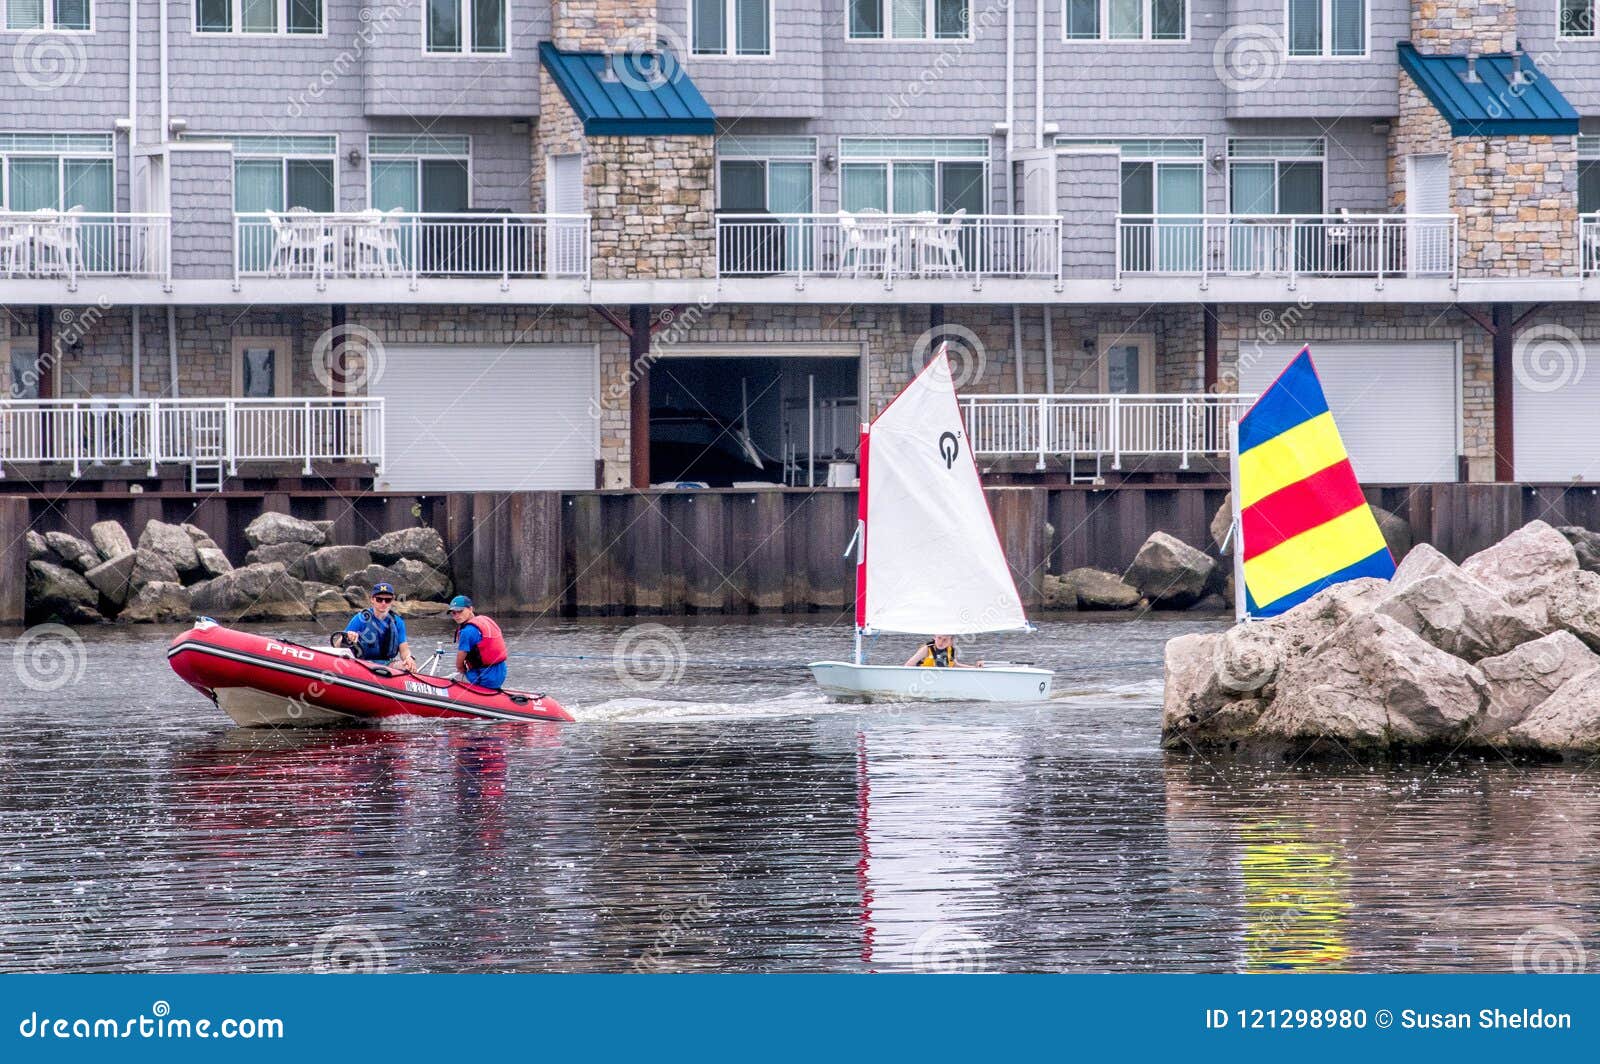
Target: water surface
point(707, 816)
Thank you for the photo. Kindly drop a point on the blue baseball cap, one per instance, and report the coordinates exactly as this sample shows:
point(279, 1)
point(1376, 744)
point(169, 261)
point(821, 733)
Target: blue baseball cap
point(382, 589)
point(461, 602)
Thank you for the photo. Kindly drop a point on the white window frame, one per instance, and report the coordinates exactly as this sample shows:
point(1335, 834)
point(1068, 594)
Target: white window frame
point(888, 37)
point(238, 29)
point(49, 24)
point(730, 50)
point(465, 25)
point(418, 158)
point(283, 158)
point(1594, 26)
point(1143, 343)
point(888, 160)
point(1147, 27)
point(282, 364)
point(1326, 55)
point(1275, 159)
point(766, 158)
point(60, 156)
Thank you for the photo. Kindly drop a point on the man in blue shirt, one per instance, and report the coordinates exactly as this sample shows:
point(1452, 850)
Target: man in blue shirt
point(378, 633)
point(480, 646)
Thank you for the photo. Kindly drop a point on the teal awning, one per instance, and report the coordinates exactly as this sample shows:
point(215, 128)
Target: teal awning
point(628, 94)
point(1489, 105)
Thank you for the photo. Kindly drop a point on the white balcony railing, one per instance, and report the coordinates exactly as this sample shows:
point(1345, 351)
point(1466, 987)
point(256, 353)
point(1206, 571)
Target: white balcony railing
point(74, 244)
point(149, 432)
point(1256, 245)
point(397, 244)
point(1588, 244)
point(888, 246)
point(1101, 426)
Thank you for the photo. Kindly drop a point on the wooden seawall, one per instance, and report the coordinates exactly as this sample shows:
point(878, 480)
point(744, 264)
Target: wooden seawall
point(738, 551)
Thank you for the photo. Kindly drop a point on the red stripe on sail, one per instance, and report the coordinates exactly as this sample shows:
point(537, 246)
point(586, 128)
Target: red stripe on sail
point(1300, 507)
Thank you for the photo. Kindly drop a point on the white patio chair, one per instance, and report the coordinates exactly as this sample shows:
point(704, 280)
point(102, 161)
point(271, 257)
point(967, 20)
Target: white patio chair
point(869, 244)
point(281, 263)
point(939, 245)
point(315, 241)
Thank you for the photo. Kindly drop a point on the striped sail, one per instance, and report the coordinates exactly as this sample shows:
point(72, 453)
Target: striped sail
point(1303, 523)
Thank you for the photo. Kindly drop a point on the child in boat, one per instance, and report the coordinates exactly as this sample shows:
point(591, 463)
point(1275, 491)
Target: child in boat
point(940, 654)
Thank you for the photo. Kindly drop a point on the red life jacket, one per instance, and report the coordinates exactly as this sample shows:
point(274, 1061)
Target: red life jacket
point(491, 649)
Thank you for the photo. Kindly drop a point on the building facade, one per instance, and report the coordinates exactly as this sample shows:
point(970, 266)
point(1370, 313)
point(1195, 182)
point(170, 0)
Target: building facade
point(564, 244)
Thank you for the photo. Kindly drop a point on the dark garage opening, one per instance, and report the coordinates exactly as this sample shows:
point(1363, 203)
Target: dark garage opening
point(723, 420)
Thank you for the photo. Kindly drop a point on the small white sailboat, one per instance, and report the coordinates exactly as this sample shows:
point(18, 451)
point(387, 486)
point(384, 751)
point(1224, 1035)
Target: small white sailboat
point(927, 556)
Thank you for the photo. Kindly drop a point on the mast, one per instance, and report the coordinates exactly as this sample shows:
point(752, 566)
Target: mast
point(1240, 612)
point(861, 538)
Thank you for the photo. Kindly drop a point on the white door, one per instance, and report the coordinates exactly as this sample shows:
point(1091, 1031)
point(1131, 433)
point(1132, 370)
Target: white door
point(564, 194)
point(489, 418)
point(1395, 403)
point(1557, 393)
point(1428, 249)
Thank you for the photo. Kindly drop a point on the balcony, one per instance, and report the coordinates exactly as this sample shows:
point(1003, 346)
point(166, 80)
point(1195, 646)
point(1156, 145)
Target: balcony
point(402, 245)
point(74, 244)
point(887, 247)
point(1101, 427)
point(195, 432)
point(1379, 246)
point(1589, 244)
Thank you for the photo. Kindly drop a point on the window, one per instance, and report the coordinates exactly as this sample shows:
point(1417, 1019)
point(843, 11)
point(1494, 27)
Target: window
point(908, 20)
point(258, 16)
point(461, 27)
point(47, 15)
point(279, 173)
point(1127, 20)
point(429, 174)
point(1577, 18)
point(1161, 186)
point(57, 172)
point(1275, 175)
point(260, 367)
point(768, 175)
point(907, 175)
point(751, 21)
point(1327, 28)
point(1588, 175)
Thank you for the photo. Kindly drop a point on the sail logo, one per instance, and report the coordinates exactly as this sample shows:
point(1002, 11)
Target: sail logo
point(949, 448)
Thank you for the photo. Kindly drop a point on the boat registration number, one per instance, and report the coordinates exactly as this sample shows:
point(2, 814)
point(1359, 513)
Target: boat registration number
point(419, 688)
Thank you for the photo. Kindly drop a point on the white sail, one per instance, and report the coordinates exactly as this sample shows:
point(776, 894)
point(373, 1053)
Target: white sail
point(932, 562)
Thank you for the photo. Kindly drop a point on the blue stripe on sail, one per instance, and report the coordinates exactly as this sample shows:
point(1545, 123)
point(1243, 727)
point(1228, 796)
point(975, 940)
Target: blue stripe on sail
point(1379, 564)
point(1294, 397)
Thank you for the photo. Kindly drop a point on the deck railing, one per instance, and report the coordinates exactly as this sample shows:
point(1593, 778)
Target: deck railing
point(397, 244)
point(1101, 426)
point(1588, 244)
point(74, 244)
point(150, 432)
point(1260, 245)
point(889, 246)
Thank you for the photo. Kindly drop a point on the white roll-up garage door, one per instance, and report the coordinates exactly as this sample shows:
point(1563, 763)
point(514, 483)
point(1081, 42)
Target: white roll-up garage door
point(488, 418)
point(1554, 430)
point(1395, 403)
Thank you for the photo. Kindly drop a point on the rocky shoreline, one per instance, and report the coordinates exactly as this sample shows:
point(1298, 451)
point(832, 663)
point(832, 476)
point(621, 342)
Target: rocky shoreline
point(292, 572)
point(1498, 653)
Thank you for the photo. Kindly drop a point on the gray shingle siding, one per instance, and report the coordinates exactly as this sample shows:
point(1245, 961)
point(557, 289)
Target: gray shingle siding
point(203, 182)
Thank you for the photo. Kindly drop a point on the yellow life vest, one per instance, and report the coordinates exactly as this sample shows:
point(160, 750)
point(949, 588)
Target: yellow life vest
point(931, 655)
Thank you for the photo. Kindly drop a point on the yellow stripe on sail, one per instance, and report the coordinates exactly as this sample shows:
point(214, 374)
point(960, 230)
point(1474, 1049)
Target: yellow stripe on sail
point(1288, 457)
point(1312, 555)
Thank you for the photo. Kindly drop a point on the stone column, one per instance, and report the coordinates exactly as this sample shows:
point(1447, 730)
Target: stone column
point(1442, 27)
point(603, 25)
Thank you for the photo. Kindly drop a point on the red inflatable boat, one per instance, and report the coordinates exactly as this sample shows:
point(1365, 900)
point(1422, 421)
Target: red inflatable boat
point(272, 681)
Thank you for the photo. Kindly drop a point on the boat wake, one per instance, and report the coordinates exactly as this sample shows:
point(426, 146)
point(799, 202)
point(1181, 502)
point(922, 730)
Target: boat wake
point(645, 709)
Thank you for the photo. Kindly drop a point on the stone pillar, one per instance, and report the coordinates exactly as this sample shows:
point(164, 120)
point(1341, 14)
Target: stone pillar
point(1440, 27)
point(603, 25)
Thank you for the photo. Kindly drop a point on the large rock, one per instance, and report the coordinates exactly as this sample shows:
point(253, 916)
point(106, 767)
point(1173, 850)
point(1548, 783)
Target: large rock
point(273, 528)
point(326, 528)
point(1374, 683)
point(252, 593)
point(1567, 722)
point(331, 565)
point(1516, 565)
point(1571, 603)
point(366, 578)
point(54, 591)
point(1198, 710)
point(151, 568)
point(200, 536)
point(76, 554)
point(110, 539)
point(291, 555)
point(213, 562)
point(1169, 572)
point(1587, 546)
point(1303, 628)
point(39, 550)
point(423, 581)
point(1222, 524)
point(1519, 681)
point(173, 544)
point(1462, 617)
point(1056, 595)
point(325, 600)
point(1423, 560)
point(114, 578)
point(1096, 589)
point(419, 544)
point(158, 603)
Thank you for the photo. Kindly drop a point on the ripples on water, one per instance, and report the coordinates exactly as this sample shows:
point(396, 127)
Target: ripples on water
point(735, 821)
